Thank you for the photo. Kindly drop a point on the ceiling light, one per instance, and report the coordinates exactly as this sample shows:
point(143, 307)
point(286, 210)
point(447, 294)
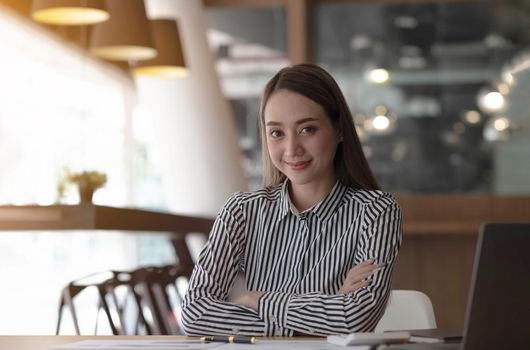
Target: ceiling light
point(380, 110)
point(378, 75)
point(69, 12)
point(497, 129)
point(169, 63)
point(501, 124)
point(380, 122)
point(126, 35)
point(472, 117)
point(491, 101)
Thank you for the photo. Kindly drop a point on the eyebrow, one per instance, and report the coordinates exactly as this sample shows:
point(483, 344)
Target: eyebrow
point(298, 122)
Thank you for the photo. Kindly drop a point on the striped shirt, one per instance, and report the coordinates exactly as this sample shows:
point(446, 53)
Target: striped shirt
point(300, 261)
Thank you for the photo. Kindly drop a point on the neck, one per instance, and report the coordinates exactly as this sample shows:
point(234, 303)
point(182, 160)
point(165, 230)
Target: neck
point(304, 196)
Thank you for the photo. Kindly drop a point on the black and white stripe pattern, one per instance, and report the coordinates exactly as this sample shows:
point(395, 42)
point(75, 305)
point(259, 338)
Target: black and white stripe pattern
point(301, 261)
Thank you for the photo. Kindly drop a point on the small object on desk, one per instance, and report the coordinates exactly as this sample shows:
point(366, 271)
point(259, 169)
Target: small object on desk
point(435, 335)
point(238, 339)
point(369, 338)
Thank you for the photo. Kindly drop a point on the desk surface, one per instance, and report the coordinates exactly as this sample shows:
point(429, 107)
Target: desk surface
point(46, 341)
point(96, 217)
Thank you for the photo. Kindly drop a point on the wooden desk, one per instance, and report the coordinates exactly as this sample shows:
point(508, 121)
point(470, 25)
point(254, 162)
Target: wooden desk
point(96, 217)
point(44, 342)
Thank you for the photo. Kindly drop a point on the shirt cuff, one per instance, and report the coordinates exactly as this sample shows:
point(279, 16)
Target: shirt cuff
point(272, 309)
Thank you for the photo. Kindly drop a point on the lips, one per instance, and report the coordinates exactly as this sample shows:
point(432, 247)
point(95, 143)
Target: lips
point(298, 165)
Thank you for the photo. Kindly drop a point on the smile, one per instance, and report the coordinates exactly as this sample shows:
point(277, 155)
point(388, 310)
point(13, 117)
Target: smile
point(298, 165)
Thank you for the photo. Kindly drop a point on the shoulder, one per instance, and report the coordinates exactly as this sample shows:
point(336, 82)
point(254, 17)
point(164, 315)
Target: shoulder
point(373, 200)
point(264, 195)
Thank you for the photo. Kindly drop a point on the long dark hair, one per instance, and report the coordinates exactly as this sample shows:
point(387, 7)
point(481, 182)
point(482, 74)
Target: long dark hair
point(313, 82)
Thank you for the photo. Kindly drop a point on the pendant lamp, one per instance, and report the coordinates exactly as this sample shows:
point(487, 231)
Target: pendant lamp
point(169, 63)
point(69, 12)
point(126, 35)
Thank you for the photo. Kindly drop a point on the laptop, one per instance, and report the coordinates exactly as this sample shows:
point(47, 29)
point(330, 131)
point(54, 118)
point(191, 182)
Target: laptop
point(498, 311)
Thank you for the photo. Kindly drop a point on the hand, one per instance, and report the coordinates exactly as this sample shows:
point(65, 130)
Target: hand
point(249, 299)
point(356, 277)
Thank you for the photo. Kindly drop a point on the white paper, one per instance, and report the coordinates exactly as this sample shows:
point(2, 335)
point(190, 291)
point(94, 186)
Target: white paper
point(137, 344)
point(288, 345)
point(191, 344)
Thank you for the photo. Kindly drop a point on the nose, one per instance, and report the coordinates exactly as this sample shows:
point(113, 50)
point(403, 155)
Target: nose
point(293, 147)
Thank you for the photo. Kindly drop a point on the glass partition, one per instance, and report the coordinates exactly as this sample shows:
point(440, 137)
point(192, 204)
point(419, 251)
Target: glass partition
point(438, 89)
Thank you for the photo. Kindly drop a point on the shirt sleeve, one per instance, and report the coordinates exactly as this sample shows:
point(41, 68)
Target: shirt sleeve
point(359, 311)
point(205, 310)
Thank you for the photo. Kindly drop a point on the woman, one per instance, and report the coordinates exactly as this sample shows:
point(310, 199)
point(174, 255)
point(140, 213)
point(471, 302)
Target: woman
point(317, 243)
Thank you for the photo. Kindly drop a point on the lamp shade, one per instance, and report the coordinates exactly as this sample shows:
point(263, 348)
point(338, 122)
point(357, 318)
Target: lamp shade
point(169, 63)
point(126, 35)
point(69, 12)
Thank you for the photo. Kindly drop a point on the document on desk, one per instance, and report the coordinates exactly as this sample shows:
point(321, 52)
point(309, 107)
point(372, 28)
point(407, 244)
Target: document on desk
point(137, 344)
point(192, 344)
point(291, 344)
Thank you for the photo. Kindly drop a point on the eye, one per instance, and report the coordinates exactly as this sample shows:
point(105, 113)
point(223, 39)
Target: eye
point(307, 130)
point(276, 133)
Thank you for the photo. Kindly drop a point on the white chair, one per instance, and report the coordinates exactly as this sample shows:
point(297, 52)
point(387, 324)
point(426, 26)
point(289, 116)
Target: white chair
point(407, 309)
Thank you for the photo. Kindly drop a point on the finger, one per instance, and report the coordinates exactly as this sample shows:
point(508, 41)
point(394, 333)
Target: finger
point(357, 279)
point(360, 271)
point(359, 285)
point(345, 289)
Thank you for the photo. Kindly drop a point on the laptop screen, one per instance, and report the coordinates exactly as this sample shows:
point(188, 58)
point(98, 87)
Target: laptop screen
point(498, 312)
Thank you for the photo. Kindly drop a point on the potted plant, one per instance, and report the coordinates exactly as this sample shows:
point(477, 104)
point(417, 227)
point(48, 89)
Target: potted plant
point(87, 181)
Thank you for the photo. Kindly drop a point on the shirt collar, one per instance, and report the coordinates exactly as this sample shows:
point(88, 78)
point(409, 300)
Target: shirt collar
point(284, 201)
point(323, 209)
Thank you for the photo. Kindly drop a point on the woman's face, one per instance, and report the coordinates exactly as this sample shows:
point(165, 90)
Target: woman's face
point(300, 138)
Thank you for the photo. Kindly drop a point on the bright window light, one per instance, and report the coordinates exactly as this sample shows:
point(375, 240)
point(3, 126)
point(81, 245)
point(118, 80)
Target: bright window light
point(60, 108)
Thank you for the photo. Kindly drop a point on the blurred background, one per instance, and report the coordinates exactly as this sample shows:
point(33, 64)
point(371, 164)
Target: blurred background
point(439, 91)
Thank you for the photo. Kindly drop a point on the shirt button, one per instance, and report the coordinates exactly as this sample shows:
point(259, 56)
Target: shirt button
point(272, 318)
point(278, 333)
point(235, 329)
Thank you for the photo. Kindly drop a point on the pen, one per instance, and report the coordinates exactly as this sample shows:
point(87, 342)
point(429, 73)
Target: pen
point(230, 339)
